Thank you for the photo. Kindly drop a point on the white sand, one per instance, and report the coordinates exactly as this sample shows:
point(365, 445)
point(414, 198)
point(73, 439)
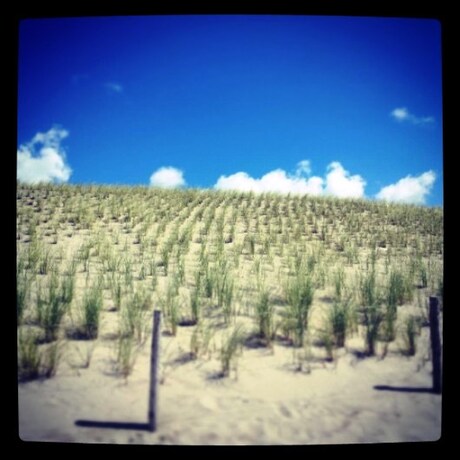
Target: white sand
point(266, 402)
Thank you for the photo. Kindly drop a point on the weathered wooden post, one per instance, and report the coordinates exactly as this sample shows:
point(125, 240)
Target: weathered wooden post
point(153, 372)
point(435, 344)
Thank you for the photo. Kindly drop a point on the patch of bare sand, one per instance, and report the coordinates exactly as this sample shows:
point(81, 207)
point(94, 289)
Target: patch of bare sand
point(265, 402)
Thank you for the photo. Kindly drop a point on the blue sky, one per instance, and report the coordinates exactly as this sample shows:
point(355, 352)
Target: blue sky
point(323, 105)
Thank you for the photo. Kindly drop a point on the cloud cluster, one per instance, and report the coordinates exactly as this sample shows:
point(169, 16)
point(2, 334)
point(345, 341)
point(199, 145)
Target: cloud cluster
point(337, 182)
point(402, 114)
point(409, 189)
point(274, 181)
point(43, 159)
point(167, 177)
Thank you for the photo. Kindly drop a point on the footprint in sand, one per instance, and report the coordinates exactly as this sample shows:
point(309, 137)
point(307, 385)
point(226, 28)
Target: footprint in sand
point(285, 411)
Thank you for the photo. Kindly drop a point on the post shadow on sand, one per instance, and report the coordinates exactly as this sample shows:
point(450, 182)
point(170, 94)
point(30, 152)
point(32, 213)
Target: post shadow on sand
point(405, 389)
point(436, 357)
point(151, 424)
point(113, 425)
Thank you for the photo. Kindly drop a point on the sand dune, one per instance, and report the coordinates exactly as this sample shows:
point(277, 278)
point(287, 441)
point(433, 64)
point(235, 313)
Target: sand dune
point(282, 395)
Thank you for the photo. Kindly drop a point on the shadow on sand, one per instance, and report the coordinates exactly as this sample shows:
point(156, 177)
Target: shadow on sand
point(113, 425)
point(404, 389)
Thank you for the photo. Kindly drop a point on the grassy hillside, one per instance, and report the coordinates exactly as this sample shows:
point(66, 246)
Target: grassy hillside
point(241, 269)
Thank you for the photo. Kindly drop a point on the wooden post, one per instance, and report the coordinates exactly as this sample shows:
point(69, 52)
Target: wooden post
point(153, 372)
point(435, 344)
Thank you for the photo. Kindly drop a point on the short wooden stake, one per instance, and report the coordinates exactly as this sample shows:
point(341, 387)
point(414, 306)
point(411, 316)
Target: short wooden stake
point(435, 344)
point(153, 372)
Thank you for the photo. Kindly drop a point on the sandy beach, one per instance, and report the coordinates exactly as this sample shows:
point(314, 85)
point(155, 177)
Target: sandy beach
point(267, 401)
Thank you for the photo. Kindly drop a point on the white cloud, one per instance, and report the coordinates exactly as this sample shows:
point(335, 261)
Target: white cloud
point(167, 177)
point(303, 167)
point(274, 181)
point(43, 159)
point(402, 114)
point(114, 87)
point(239, 181)
point(340, 183)
point(409, 189)
point(337, 182)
